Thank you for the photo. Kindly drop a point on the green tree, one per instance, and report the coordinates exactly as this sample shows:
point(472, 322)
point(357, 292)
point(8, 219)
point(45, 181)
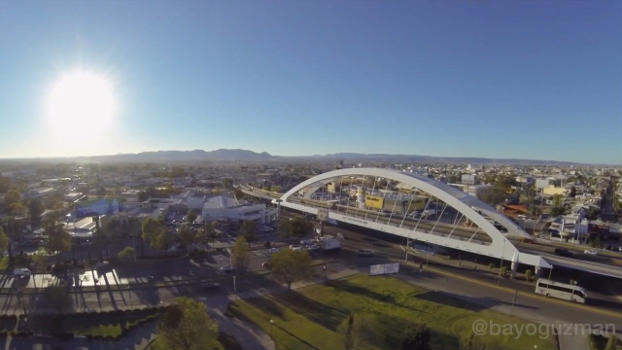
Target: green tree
point(296, 227)
point(35, 209)
point(239, 254)
point(127, 254)
point(289, 266)
point(14, 230)
point(492, 195)
point(206, 234)
point(112, 227)
point(12, 196)
point(58, 297)
point(558, 206)
point(102, 238)
point(247, 229)
point(13, 202)
point(503, 271)
point(162, 241)
point(186, 235)
point(5, 183)
point(186, 325)
point(528, 275)
point(4, 241)
point(191, 216)
point(416, 337)
point(40, 259)
point(154, 233)
point(58, 240)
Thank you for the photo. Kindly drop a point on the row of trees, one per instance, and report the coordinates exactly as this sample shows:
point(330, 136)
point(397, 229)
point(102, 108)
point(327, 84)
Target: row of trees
point(58, 241)
point(286, 265)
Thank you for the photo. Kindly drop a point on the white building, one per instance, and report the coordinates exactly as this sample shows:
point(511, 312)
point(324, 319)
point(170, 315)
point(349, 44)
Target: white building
point(468, 179)
point(542, 183)
point(83, 228)
point(221, 207)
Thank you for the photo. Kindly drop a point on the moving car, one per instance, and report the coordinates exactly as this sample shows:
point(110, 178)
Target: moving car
point(227, 269)
point(210, 285)
point(365, 252)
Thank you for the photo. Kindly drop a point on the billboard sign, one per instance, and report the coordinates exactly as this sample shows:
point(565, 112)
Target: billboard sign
point(373, 202)
point(383, 269)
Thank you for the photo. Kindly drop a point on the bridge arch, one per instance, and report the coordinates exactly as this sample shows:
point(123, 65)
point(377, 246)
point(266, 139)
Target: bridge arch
point(485, 218)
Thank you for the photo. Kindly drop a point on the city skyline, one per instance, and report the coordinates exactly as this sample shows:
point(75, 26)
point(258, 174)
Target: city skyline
point(518, 80)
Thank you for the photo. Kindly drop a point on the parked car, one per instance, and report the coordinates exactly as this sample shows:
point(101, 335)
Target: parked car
point(21, 272)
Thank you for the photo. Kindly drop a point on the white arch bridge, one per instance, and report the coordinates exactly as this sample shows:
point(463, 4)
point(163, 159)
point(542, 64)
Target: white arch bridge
point(411, 206)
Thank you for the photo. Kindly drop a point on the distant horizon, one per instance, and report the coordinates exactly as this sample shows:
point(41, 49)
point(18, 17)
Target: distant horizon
point(319, 155)
point(511, 80)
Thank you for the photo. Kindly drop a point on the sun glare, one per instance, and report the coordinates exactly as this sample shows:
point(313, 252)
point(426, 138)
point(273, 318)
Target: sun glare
point(80, 100)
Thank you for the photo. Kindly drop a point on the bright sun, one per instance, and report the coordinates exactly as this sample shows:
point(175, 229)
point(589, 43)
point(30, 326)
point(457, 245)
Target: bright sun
point(80, 100)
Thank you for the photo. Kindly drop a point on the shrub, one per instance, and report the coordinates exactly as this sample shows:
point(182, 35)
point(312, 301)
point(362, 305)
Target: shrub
point(528, 275)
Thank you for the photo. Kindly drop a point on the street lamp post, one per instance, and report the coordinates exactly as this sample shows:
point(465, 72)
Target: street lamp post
point(278, 208)
point(272, 331)
point(406, 250)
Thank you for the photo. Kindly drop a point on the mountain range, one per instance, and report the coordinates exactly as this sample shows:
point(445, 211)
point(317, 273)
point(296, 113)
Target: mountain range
point(247, 155)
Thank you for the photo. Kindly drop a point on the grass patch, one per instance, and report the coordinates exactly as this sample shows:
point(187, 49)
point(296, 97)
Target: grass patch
point(314, 317)
point(113, 331)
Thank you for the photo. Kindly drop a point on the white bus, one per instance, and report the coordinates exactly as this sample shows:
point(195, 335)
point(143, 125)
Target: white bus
point(560, 290)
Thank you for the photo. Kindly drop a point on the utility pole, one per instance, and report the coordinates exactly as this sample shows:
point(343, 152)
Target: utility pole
point(406, 250)
point(514, 300)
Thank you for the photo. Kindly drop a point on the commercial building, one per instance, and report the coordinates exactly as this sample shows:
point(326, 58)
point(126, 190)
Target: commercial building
point(552, 191)
point(102, 206)
point(221, 207)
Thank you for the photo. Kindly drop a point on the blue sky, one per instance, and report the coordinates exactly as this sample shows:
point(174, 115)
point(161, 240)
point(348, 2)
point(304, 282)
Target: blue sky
point(515, 79)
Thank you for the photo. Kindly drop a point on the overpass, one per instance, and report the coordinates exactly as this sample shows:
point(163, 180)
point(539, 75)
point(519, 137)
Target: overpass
point(423, 209)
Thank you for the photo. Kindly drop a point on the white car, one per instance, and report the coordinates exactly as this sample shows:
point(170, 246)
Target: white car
point(590, 252)
point(21, 272)
point(295, 247)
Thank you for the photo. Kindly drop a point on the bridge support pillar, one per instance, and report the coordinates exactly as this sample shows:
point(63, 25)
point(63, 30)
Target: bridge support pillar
point(514, 265)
